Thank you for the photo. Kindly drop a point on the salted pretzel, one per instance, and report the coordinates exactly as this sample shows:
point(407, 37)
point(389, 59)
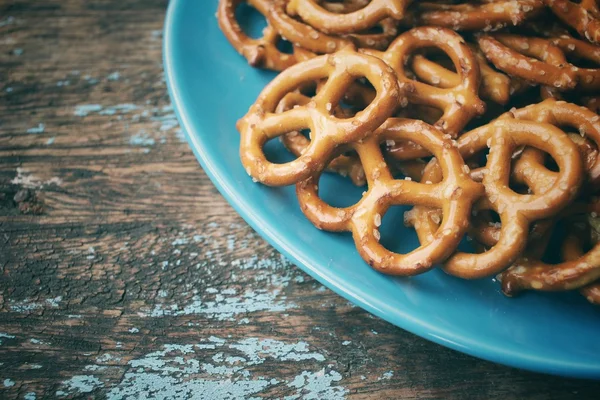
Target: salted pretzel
point(495, 85)
point(454, 194)
point(584, 16)
point(480, 16)
point(588, 78)
point(303, 35)
point(516, 211)
point(262, 52)
point(534, 59)
point(459, 104)
point(345, 165)
point(572, 250)
point(261, 123)
point(563, 114)
point(351, 22)
point(577, 271)
point(591, 293)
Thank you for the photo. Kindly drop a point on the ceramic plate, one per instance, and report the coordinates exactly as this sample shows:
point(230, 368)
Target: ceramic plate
point(211, 86)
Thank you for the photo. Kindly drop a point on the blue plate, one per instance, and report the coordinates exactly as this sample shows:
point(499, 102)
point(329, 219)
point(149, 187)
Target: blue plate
point(212, 86)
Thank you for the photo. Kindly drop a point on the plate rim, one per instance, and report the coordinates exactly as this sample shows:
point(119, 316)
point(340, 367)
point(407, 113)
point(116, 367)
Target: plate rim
point(413, 324)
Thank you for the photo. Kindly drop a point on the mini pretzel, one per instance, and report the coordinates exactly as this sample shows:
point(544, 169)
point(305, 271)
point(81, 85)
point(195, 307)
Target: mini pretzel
point(454, 194)
point(588, 78)
point(516, 211)
point(352, 22)
point(261, 123)
point(261, 53)
point(592, 293)
point(301, 34)
point(583, 17)
point(495, 85)
point(563, 114)
point(572, 250)
point(578, 270)
point(513, 54)
point(459, 104)
point(485, 17)
point(297, 144)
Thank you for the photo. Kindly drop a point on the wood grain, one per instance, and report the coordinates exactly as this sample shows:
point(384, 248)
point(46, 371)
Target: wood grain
point(123, 272)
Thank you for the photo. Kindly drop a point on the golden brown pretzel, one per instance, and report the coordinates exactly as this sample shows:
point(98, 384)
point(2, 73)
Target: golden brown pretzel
point(261, 123)
point(483, 16)
point(573, 273)
point(454, 194)
point(572, 249)
point(583, 17)
point(588, 78)
point(592, 293)
point(295, 142)
point(514, 55)
point(459, 104)
point(301, 34)
point(495, 85)
point(516, 211)
point(351, 22)
point(563, 114)
point(262, 52)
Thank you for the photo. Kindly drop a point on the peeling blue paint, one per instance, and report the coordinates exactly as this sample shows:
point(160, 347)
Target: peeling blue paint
point(386, 376)
point(82, 384)
point(85, 109)
point(6, 336)
point(30, 396)
point(9, 383)
point(121, 108)
point(17, 52)
point(27, 305)
point(114, 76)
point(346, 342)
point(141, 139)
point(51, 140)
point(9, 90)
point(225, 308)
point(37, 129)
point(133, 330)
point(317, 386)
point(63, 83)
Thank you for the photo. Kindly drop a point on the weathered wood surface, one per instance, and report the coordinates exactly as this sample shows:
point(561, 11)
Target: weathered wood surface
point(123, 273)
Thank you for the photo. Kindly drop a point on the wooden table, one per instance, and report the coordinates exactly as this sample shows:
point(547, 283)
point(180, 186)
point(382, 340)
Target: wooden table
point(124, 273)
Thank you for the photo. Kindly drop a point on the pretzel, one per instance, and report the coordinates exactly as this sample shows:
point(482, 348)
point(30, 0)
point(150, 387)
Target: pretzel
point(487, 16)
point(591, 293)
point(513, 54)
point(459, 104)
point(328, 132)
point(562, 114)
point(572, 250)
point(454, 194)
point(516, 211)
point(583, 17)
point(495, 85)
point(301, 34)
point(262, 52)
point(297, 144)
point(588, 78)
point(358, 20)
point(578, 270)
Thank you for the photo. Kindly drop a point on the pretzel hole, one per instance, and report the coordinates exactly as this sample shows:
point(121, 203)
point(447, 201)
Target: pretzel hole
point(277, 153)
point(284, 46)
point(250, 20)
point(395, 236)
point(337, 190)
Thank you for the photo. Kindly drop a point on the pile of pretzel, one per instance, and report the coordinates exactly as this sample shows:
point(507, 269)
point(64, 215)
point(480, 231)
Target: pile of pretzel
point(480, 115)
